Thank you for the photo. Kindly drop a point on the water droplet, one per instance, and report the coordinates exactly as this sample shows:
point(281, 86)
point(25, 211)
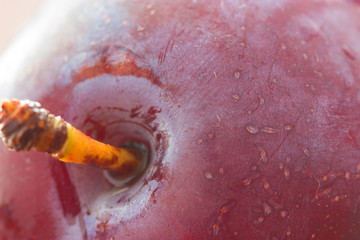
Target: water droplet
point(283, 47)
point(305, 56)
point(252, 129)
point(283, 214)
point(199, 141)
point(237, 75)
point(221, 170)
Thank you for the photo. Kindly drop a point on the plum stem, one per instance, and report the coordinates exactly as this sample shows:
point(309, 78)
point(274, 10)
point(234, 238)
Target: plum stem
point(25, 125)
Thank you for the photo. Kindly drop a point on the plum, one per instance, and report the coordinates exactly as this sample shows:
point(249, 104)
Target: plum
point(250, 110)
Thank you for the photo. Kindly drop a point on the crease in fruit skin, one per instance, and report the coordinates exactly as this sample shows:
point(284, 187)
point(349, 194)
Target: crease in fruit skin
point(25, 125)
point(126, 67)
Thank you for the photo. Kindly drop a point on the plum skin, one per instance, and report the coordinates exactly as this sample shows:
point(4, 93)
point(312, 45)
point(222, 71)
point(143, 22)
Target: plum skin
point(257, 105)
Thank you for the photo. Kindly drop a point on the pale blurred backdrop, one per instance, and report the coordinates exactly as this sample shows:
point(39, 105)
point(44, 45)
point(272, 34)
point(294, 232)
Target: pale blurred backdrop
point(13, 16)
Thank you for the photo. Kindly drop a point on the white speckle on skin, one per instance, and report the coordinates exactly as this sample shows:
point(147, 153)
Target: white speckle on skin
point(306, 151)
point(287, 128)
point(288, 232)
point(263, 156)
point(283, 214)
point(262, 100)
point(266, 184)
point(140, 28)
point(236, 97)
point(215, 75)
point(267, 209)
point(269, 130)
point(252, 129)
point(287, 173)
point(247, 181)
point(208, 175)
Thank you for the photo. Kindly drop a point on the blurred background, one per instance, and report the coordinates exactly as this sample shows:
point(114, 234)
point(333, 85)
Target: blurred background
point(13, 16)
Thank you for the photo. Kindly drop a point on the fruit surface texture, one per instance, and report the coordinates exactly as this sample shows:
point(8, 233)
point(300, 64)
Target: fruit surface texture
point(250, 110)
